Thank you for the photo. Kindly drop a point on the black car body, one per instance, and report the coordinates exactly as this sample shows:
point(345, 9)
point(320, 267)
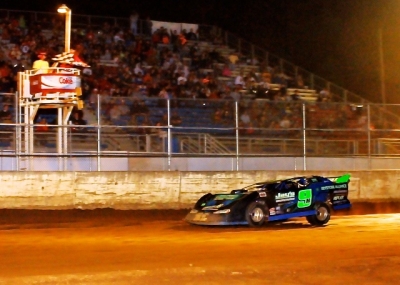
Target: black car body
point(313, 197)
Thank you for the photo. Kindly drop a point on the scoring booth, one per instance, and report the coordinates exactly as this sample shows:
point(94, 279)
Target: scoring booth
point(56, 88)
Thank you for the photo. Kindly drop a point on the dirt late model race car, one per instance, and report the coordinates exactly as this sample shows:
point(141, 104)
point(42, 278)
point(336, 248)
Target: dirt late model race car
point(312, 197)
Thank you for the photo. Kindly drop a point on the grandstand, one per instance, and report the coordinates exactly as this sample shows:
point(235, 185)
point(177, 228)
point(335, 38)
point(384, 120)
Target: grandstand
point(287, 107)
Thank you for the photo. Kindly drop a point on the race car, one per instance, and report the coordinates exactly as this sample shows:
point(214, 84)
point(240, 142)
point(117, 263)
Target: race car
point(313, 197)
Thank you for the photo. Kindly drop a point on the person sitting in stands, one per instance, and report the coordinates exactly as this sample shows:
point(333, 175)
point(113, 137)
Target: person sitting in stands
point(5, 114)
point(43, 127)
point(226, 71)
point(233, 60)
point(239, 80)
point(78, 120)
point(139, 111)
point(176, 120)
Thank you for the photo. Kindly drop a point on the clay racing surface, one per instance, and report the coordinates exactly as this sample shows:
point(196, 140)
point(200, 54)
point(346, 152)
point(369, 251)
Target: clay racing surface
point(158, 247)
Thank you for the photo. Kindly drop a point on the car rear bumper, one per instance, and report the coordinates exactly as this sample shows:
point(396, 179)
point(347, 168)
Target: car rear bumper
point(341, 206)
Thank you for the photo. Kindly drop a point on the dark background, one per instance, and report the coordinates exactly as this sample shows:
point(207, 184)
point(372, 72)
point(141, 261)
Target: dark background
point(335, 39)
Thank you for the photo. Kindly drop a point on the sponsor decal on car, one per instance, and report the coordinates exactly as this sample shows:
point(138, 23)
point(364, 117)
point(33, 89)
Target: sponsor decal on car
point(200, 217)
point(340, 191)
point(329, 187)
point(280, 197)
point(215, 207)
point(226, 197)
point(338, 198)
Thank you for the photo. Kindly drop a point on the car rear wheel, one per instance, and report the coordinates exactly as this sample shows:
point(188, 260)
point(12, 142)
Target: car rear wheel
point(256, 214)
point(322, 216)
point(311, 219)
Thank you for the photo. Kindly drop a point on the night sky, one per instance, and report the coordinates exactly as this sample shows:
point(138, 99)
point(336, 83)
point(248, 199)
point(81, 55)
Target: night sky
point(335, 39)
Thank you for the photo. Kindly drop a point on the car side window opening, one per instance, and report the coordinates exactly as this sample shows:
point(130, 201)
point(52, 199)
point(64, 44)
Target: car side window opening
point(290, 186)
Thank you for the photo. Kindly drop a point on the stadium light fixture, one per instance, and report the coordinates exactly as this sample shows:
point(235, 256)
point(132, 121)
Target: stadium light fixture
point(63, 9)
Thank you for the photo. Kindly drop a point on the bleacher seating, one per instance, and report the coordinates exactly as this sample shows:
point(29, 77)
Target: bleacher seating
point(111, 63)
point(197, 118)
point(307, 95)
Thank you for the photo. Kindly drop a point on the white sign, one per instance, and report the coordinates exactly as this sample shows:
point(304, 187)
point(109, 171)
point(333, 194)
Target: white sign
point(174, 26)
point(69, 82)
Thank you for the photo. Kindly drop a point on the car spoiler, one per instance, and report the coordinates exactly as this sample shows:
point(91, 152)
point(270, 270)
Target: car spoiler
point(341, 179)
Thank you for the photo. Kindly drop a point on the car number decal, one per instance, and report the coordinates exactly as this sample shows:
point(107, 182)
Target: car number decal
point(304, 198)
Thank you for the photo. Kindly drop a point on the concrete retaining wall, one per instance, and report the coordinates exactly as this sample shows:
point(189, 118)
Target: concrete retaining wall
point(160, 190)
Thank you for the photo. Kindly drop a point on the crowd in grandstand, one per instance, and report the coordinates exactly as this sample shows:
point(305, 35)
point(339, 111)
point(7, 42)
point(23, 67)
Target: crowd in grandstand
point(128, 66)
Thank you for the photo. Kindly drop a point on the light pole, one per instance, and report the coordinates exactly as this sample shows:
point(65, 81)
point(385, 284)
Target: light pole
point(63, 110)
point(382, 66)
point(63, 9)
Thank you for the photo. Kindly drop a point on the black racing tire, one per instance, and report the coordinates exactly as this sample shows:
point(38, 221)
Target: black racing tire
point(311, 219)
point(322, 216)
point(256, 214)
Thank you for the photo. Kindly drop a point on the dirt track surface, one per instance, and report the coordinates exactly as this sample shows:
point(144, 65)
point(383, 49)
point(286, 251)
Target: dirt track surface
point(158, 247)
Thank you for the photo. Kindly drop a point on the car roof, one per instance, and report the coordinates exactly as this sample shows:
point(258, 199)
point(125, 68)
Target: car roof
point(312, 178)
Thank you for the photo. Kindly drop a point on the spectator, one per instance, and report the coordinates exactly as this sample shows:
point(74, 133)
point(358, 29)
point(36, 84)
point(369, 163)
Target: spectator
point(191, 35)
point(163, 97)
point(138, 69)
point(123, 107)
point(148, 26)
point(93, 98)
point(43, 127)
point(233, 60)
point(176, 120)
point(324, 95)
point(217, 116)
point(235, 95)
point(139, 112)
point(77, 119)
point(226, 71)
point(285, 123)
point(5, 114)
point(245, 118)
point(163, 121)
point(133, 19)
point(41, 65)
point(300, 82)
point(115, 114)
point(239, 80)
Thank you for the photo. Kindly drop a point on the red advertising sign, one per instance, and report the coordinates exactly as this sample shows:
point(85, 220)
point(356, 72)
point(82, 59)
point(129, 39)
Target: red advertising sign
point(54, 83)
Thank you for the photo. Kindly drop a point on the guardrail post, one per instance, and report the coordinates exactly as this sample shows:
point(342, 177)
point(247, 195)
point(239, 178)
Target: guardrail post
point(312, 81)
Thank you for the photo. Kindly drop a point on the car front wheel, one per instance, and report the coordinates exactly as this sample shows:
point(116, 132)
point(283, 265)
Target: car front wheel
point(256, 214)
point(322, 216)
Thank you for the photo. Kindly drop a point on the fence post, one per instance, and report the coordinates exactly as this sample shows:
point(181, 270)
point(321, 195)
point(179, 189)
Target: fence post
point(237, 133)
point(312, 81)
point(304, 138)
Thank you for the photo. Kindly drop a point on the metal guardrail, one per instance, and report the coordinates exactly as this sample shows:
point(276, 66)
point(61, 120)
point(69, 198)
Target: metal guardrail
point(277, 128)
point(202, 143)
